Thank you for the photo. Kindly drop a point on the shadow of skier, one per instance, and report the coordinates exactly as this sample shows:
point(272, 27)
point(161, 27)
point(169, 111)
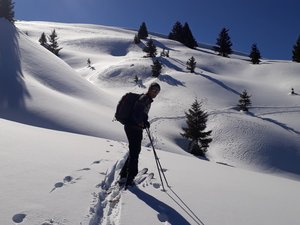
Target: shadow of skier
point(165, 212)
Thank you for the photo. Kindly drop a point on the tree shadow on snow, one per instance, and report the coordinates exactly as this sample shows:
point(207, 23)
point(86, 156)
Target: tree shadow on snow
point(171, 63)
point(164, 211)
point(170, 80)
point(220, 83)
point(282, 125)
point(12, 87)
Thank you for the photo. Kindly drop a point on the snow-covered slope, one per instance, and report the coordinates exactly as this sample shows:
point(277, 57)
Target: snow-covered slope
point(70, 166)
point(244, 140)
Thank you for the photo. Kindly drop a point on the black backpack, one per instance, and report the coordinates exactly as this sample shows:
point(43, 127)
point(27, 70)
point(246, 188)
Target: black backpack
point(125, 107)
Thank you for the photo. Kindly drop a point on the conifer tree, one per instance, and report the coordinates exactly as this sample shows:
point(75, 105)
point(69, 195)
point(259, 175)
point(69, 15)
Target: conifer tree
point(7, 10)
point(255, 54)
point(156, 68)
point(88, 62)
point(292, 91)
point(244, 101)
point(196, 120)
point(43, 40)
point(136, 79)
point(191, 64)
point(177, 32)
point(143, 32)
point(296, 51)
point(188, 38)
point(150, 48)
point(53, 46)
point(223, 45)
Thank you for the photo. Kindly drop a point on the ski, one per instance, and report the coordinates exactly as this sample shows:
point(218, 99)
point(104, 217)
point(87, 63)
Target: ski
point(139, 178)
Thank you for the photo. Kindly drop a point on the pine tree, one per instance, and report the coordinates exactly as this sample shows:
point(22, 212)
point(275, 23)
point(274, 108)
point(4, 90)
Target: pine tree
point(191, 64)
point(188, 38)
point(43, 40)
point(156, 68)
point(143, 32)
point(296, 51)
point(136, 79)
point(292, 91)
point(196, 120)
point(88, 62)
point(244, 101)
point(53, 46)
point(223, 43)
point(7, 10)
point(255, 54)
point(177, 32)
point(150, 48)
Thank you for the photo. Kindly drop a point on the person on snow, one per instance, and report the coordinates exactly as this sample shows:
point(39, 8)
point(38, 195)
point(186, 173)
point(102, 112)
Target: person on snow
point(134, 132)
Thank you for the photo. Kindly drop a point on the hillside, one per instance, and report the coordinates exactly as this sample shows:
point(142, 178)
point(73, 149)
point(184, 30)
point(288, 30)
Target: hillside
point(60, 150)
point(217, 82)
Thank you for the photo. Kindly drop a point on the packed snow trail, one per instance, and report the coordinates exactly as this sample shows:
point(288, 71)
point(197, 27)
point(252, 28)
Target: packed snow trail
point(107, 210)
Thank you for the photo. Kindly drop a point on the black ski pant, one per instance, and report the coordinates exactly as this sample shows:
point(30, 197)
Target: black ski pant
point(134, 136)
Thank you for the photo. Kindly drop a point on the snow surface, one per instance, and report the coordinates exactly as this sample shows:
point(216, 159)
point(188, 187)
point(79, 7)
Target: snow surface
point(61, 153)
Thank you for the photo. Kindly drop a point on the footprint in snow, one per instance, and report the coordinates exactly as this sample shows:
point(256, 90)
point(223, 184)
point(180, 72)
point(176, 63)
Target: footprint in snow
point(84, 169)
point(96, 162)
point(66, 179)
point(156, 185)
point(57, 185)
point(18, 218)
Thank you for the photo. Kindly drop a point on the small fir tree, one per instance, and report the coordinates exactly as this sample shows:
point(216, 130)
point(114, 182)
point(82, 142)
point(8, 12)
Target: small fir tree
point(196, 120)
point(53, 46)
point(191, 64)
point(143, 32)
point(244, 101)
point(89, 62)
point(255, 54)
point(296, 51)
point(150, 48)
point(136, 79)
point(7, 10)
point(292, 91)
point(156, 68)
point(223, 45)
point(188, 38)
point(43, 40)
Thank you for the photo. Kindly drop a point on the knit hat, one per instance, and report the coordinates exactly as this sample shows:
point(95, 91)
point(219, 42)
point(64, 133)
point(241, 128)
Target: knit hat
point(153, 86)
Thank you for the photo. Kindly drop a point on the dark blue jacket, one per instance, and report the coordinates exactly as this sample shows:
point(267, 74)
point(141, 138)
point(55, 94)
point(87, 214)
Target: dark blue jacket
point(141, 108)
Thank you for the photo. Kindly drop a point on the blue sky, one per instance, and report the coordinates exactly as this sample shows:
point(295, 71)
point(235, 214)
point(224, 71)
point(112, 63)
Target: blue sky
point(272, 24)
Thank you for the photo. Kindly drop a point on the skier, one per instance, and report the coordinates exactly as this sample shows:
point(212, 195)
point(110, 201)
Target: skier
point(134, 131)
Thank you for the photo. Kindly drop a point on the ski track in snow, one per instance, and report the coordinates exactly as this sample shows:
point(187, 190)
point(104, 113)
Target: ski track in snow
point(107, 211)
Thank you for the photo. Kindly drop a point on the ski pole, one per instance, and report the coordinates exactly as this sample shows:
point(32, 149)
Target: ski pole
point(155, 157)
point(160, 170)
point(158, 164)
